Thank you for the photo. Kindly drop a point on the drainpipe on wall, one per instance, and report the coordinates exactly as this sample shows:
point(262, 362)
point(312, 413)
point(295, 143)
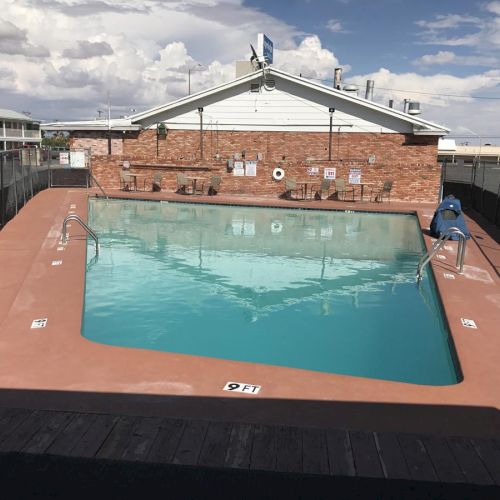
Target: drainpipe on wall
point(331, 111)
point(200, 111)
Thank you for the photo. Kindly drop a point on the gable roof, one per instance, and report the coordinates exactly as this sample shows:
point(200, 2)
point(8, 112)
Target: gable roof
point(420, 126)
point(9, 114)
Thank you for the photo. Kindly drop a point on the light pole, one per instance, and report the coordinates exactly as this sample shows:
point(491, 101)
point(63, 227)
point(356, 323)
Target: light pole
point(189, 76)
point(330, 111)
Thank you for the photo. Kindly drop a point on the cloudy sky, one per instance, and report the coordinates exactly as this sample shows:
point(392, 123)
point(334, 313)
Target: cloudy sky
point(60, 58)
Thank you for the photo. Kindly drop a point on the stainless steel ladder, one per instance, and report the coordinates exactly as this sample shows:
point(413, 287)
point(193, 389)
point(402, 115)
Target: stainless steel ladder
point(76, 218)
point(426, 258)
point(92, 178)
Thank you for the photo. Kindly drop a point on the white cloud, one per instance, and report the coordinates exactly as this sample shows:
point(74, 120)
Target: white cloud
point(447, 57)
point(335, 26)
point(437, 94)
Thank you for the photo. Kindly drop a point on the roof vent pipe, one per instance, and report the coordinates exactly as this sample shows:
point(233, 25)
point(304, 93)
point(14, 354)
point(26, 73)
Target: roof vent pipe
point(369, 89)
point(351, 89)
point(414, 108)
point(391, 103)
point(337, 78)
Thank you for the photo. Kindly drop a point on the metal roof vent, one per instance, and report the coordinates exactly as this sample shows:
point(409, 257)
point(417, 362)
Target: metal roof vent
point(414, 108)
point(351, 89)
point(255, 87)
point(269, 81)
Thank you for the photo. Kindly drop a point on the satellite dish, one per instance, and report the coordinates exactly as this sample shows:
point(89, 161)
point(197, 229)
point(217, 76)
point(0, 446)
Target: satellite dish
point(256, 60)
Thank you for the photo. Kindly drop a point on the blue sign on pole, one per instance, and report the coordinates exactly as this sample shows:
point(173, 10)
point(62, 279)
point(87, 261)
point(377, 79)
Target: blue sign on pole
point(265, 47)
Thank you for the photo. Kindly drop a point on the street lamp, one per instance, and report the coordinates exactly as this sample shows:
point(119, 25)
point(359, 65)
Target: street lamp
point(189, 76)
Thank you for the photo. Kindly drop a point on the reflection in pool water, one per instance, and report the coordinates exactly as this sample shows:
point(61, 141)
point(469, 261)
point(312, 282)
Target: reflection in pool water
point(325, 291)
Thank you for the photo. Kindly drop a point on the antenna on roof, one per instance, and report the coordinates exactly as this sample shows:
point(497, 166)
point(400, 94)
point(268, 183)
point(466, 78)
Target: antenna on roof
point(255, 59)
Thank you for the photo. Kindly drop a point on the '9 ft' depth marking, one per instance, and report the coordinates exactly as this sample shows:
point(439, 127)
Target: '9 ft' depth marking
point(242, 387)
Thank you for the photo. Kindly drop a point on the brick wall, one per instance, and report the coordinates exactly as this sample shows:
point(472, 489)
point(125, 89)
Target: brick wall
point(410, 161)
point(97, 143)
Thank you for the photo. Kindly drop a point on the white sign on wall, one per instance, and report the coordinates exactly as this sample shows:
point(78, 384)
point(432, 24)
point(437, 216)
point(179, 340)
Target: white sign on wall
point(312, 170)
point(251, 168)
point(64, 158)
point(238, 169)
point(355, 176)
point(330, 173)
point(77, 159)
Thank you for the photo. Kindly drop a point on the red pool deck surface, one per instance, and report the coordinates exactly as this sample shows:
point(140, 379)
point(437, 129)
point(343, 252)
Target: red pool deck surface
point(55, 368)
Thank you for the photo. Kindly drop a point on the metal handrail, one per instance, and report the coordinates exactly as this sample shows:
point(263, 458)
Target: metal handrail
point(87, 228)
point(98, 185)
point(426, 258)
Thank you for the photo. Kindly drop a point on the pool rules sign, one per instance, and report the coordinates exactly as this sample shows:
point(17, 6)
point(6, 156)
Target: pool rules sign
point(242, 387)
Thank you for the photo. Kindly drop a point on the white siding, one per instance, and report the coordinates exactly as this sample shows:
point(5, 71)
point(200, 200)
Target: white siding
point(289, 107)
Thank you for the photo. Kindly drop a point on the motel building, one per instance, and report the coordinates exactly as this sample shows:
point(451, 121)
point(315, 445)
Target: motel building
point(18, 130)
point(263, 120)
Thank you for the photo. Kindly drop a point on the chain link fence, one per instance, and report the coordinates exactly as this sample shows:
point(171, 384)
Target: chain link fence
point(477, 184)
point(25, 172)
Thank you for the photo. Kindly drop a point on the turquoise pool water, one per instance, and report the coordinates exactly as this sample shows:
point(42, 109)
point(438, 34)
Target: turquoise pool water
point(327, 291)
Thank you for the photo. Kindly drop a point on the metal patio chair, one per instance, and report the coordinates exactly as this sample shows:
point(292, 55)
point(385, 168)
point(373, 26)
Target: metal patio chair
point(126, 181)
point(214, 186)
point(290, 188)
point(183, 184)
point(378, 194)
point(341, 190)
point(317, 190)
point(156, 182)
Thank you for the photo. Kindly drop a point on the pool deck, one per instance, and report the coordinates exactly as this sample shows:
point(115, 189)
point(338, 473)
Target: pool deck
point(55, 368)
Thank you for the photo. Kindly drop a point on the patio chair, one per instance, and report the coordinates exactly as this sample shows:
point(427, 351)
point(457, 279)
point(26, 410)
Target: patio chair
point(156, 182)
point(290, 188)
point(318, 190)
point(341, 190)
point(378, 194)
point(214, 186)
point(126, 181)
point(184, 185)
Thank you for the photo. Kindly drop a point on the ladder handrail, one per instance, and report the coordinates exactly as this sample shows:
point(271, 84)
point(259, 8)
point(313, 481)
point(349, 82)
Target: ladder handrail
point(87, 228)
point(426, 258)
point(98, 185)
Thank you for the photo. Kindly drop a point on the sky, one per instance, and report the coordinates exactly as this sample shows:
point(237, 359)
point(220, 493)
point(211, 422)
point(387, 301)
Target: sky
point(61, 59)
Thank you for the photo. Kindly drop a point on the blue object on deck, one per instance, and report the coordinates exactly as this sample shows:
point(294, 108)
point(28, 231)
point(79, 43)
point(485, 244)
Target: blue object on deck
point(449, 214)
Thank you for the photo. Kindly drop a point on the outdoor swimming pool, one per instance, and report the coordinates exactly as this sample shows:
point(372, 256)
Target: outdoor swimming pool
point(319, 290)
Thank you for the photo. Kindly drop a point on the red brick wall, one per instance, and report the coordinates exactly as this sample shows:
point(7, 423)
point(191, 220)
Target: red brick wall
point(97, 143)
point(411, 161)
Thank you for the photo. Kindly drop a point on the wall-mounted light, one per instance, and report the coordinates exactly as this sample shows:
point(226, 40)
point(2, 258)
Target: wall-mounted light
point(161, 129)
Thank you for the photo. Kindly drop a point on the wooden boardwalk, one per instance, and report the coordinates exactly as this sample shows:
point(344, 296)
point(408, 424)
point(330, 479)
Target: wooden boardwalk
point(239, 450)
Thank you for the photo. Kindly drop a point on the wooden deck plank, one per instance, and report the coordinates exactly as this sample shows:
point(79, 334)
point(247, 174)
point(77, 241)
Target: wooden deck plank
point(191, 442)
point(469, 461)
point(71, 434)
point(94, 437)
point(118, 438)
point(25, 431)
point(215, 445)
point(167, 440)
point(239, 447)
point(289, 449)
point(48, 432)
point(142, 439)
point(443, 460)
point(419, 462)
point(10, 419)
point(263, 456)
point(365, 453)
point(490, 455)
point(340, 455)
point(314, 452)
point(391, 456)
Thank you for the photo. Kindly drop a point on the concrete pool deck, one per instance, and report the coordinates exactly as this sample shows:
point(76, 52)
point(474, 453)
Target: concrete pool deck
point(56, 368)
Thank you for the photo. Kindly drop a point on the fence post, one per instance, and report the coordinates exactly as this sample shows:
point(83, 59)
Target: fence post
point(2, 206)
point(14, 178)
point(21, 161)
point(31, 170)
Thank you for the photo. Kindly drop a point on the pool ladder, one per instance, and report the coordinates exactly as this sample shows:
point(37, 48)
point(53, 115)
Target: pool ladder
point(426, 258)
point(64, 237)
